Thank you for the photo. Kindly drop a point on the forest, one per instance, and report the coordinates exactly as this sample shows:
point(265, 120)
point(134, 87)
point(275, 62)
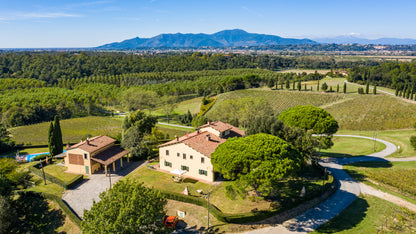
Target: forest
point(36, 86)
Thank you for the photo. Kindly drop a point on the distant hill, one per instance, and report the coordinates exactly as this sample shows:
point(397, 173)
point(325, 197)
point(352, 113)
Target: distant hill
point(226, 38)
point(364, 41)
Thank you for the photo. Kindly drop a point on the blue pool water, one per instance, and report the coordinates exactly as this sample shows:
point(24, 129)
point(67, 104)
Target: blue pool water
point(29, 157)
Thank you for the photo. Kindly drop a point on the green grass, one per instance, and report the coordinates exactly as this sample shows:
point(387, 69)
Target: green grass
point(73, 130)
point(58, 171)
point(398, 177)
point(182, 108)
point(173, 131)
point(373, 112)
point(288, 194)
point(369, 214)
point(350, 146)
point(397, 137)
point(307, 71)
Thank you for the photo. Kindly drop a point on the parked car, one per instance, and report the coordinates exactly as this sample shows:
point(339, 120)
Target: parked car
point(170, 221)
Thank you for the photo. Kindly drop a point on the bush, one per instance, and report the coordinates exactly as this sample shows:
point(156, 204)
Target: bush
point(413, 142)
point(40, 157)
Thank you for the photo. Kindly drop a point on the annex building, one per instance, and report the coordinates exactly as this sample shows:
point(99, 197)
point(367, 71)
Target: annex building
point(192, 152)
point(96, 153)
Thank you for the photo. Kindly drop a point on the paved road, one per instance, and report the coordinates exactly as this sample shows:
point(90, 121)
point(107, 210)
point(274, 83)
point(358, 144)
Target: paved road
point(348, 191)
point(81, 197)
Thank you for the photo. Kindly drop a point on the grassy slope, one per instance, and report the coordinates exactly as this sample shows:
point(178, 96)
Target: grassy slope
point(281, 100)
point(350, 146)
point(370, 214)
point(73, 130)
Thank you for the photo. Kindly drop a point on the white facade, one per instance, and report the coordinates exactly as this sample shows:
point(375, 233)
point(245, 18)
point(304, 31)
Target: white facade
point(182, 157)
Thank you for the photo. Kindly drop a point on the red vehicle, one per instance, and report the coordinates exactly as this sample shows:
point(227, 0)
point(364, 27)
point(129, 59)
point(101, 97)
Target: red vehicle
point(170, 221)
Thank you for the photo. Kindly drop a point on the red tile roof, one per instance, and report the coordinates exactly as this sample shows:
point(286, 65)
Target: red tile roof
point(198, 140)
point(93, 144)
point(110, 155)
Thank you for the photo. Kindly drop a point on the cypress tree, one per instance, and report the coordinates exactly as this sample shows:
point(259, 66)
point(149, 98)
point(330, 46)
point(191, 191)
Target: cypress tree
point(51, 137)
point(299, 86)
point(345, 87)
point(305, 88)
point(408, 94)
point(367, 88)
point(337, 88)
point(317, 87)
point(287, 84)
point(375, 90)
point(293, 85)
point(397, 91)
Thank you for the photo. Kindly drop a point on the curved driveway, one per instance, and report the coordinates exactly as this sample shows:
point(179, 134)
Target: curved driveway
point(348, 191)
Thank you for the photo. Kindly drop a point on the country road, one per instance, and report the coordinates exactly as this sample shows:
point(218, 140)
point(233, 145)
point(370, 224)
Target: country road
point(348, 191)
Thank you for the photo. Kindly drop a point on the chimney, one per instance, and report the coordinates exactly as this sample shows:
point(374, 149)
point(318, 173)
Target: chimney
point(209, 122)
point(177, 138)
point(88, 141)
point(208, 137)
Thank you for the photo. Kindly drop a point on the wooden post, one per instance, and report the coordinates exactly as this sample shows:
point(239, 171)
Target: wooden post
point(114, 166)
point(121, 161)
point(105, 169)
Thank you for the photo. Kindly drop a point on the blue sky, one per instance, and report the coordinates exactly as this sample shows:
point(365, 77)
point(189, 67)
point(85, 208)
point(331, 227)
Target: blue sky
point(64, 23)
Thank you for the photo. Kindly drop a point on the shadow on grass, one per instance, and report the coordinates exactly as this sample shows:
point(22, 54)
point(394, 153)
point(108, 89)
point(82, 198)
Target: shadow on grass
point(347, 219)
point(35, 216)
point(337, 155)
point(182, 227)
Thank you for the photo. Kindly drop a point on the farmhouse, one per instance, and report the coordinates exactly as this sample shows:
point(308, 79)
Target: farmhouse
point(93, 154)
point(192, 152)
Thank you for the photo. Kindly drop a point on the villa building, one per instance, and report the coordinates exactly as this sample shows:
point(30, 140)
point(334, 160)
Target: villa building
point(94, 154)
point(192, 152)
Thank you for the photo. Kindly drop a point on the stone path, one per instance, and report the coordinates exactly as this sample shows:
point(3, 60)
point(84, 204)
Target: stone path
point(348, 191)
point(81, 197)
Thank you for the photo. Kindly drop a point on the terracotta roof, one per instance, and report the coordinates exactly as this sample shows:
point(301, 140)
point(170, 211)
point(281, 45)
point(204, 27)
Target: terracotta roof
point(198, 140)
point(217, 125)
point(93, 144)
point(110, 155)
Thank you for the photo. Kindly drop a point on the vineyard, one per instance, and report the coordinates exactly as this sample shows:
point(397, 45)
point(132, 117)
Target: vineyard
point(373, 112)
point(396, 176)
point(281, 100)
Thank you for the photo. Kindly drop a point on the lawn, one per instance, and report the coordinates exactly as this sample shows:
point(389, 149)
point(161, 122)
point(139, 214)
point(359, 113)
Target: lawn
point(58, 171)
point(369, 214)
point(288, 196)
point(182, 107)
point(350, 147)
point(397, 137)
point(397, 177)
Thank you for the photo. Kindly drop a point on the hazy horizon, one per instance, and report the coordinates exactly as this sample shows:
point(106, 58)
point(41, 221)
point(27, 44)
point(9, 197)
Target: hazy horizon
point(80, 24)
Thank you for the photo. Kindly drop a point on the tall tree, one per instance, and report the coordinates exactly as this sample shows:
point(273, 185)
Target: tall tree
point(58, 136)
point(299, 86)
point(324, 86)
point(128, 207)
point(367, 87)
point(51, 139)
point(375, 90)
point(345, 88)
point(6, 144)
point(312, 118)
point(258, 161)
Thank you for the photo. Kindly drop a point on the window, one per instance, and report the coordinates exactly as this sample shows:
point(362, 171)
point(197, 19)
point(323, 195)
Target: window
point(167, 152)
point(191, 157)
point(184, 156)
point(184, 168)
point(202, 160)
point(203, 172)
point(178, 154)
point(85, 156)
point(168, 164)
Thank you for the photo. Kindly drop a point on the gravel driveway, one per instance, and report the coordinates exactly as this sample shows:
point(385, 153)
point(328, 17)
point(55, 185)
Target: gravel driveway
point(81, 197)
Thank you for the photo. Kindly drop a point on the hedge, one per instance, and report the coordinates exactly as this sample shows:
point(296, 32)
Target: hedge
point(246, 217)
point(64, 207)
point(53, 179)
point(205, 108)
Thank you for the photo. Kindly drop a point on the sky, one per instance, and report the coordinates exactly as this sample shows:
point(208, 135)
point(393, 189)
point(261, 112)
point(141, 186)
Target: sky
point(90, 23)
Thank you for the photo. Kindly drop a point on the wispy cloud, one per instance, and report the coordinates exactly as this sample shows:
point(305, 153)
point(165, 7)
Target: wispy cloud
point(37, 15)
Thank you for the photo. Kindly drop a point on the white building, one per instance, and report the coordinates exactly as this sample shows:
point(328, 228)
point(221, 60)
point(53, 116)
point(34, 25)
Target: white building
point(192, 152)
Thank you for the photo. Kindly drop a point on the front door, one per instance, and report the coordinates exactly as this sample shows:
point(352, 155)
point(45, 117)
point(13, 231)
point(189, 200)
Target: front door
point(87, 171)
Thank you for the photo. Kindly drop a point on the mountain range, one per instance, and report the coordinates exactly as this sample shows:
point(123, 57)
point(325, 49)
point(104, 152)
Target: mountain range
point(238, 37)
point(226, 38)
point(363, 41)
